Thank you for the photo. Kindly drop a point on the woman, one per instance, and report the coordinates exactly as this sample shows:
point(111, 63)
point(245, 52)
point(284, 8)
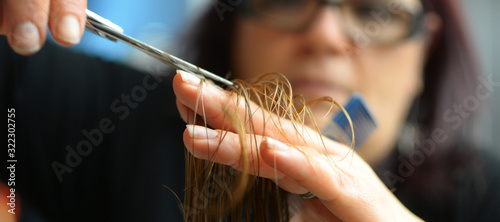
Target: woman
point(410, 79)
point(402, 56)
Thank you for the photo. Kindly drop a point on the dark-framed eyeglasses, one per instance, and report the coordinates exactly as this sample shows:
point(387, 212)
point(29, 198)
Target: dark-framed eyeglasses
point(375, 21)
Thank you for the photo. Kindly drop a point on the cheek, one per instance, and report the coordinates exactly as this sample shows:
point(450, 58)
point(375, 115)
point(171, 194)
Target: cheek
point(390, 79)
point(257, 50)
point(391, 76)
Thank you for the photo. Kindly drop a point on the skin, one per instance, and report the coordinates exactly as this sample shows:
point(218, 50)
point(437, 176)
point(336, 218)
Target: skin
point(320, 61)
point(24, 22)
point(389, 78)
point(349, 190)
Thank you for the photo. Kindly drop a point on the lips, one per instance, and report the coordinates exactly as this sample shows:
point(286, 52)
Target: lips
point(314, 88)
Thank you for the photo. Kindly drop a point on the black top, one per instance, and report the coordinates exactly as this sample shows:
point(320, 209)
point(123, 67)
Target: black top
point(460, 185)
point(96, 141)
point(60, 99)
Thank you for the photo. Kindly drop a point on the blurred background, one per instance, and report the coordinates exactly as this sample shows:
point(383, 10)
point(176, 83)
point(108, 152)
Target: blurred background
point(158, 23)
point(482, 18)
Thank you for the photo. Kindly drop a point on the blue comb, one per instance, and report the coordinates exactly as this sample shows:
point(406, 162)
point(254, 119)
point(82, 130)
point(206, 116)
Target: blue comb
point(363, 123)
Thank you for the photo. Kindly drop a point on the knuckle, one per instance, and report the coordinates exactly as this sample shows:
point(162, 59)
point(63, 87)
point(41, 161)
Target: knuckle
point(76, 7)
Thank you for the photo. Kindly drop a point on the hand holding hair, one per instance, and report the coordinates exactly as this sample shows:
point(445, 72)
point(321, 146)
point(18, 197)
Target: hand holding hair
point(346, 187)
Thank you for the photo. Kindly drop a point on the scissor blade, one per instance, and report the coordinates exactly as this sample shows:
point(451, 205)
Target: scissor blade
point(106, 29)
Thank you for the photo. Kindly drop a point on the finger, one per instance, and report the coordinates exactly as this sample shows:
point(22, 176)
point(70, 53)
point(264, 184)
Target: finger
point(309, 210)
point(337, 184)
point(206, 100)
point(67, 20)
point(303, 166)
point(224, 148)
point(215, 104)
point(186, 114)
point(221, 147)
point(24, 22)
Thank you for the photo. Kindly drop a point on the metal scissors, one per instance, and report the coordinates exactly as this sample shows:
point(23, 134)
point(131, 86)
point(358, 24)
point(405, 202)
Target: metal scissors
point(106, 29)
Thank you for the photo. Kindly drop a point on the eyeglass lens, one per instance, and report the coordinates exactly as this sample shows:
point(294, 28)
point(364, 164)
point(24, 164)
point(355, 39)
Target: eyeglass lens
point(382, 21)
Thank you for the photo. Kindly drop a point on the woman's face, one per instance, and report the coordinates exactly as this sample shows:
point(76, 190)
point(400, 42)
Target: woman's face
point(323, 61)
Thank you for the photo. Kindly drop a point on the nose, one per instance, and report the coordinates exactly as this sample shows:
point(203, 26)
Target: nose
point(325, 36)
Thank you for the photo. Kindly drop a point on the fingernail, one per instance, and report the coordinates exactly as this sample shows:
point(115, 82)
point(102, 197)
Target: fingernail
point(276, 145)
point(25, 38)
point(189, 78)
point(200, 132)
point(68, 29)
